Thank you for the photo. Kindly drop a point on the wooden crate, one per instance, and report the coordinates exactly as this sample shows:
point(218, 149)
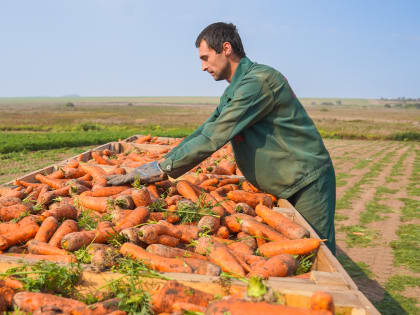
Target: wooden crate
point(327, 273)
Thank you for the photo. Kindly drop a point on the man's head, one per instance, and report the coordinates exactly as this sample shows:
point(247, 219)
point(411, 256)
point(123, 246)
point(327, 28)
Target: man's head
point(220, 49)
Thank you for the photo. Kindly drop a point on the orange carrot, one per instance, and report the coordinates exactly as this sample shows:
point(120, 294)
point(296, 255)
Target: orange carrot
point(52, 182)
point(173, 292)
point(183, 306)
point(223, 232)
point(154, 261)
point(228, 205)
point(167, 240)
point(41, 248)
point(141, 197)
point(220, 255)
point(172, 200)
point(247, 239)
point(65, 228)
point(98, 174)
point(172, 252)
point(64, 211)
point(143, 139)
point(209, 224)
point(12, 212)
point(240, 249)
point(73, 172)
point(9, 201)
point(31, 301)
point(13, 283)
point(252, 199)
point(322, 301)
point(21, 235)
point(293, 247)
point(108, 191)
point(135, 217)
point(76, 240)
point(100, 204)
point(236, 306)
point(188, 232)
point(227, 181)
point(185, 189)
point(154, 194)
point(247, 186)
point(99, 158)
point(278, 266)
point(209, 182)
point(58, 174)
point(150, 233)
point(280, 223)
point(23, 183)
point(46, 230)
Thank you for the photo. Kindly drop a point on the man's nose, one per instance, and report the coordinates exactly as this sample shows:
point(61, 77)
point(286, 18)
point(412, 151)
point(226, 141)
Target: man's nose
point(204, 66)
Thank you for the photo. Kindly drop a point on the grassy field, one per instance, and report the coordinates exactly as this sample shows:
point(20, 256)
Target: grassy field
point(378, 180)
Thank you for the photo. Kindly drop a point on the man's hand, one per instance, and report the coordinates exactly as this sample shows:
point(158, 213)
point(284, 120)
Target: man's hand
point(147, 173)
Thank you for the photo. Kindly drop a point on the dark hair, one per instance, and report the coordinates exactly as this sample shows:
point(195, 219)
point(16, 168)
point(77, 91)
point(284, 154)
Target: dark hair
point(218, 33)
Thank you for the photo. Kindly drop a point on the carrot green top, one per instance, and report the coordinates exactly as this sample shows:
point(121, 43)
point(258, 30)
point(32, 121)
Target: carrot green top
point(277, 146)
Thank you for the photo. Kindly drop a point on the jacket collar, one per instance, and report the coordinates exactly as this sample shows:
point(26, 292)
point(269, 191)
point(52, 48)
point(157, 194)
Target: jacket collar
point(243, 67)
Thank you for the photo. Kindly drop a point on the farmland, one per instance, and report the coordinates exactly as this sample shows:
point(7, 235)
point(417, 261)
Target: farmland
point(378, 179)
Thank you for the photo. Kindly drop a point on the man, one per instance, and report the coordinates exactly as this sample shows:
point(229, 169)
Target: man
point(277, 146)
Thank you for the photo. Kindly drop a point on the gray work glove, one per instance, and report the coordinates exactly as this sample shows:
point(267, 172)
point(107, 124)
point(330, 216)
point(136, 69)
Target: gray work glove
point(147, 173)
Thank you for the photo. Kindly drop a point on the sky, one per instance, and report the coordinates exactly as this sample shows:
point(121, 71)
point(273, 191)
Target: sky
point(354, 49)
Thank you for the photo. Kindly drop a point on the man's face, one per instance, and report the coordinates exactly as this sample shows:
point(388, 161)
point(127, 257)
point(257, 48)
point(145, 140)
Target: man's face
point(215, 64)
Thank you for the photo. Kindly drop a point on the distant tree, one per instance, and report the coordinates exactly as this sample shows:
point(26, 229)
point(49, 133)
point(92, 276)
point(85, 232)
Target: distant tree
point(130, 104)
point(387, 106)
point(70, 105)
point(338, 102)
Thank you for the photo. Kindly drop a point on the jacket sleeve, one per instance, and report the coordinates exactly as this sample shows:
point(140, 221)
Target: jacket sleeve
point(251, 101)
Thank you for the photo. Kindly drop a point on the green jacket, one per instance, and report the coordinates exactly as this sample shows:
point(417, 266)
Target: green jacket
point(277, 146)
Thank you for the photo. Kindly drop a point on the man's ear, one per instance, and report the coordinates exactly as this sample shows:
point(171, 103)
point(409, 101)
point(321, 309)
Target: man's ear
point(227, 49)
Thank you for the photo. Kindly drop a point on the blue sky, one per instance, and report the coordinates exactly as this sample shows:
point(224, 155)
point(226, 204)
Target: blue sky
point(146, 48)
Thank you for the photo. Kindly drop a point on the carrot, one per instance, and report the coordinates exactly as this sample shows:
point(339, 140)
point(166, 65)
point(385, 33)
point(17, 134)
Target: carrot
point(227, 181)
point(247, 186)
point(98, 174)
point(41, 248)
point(65, 228)
point(172, 252)
point(185, 189)
point(47, 229)
point(135, 217)
point(7, 227)
point(64, 211)
point(209, 182)
point(293, 247)
point(223, 232)
point(240, 249)
point(188, 232)
point(141, 197)
point(192, 179)
point(23, 183)
point(247, 239)
point(100, 204)
point(13, 283)
point(280, 223)
point(105, 307)
point(173, 291)
point(58, 174)
point(21, 235)
point(72, 164)
point(252, 199)
point(245, 223)
point(183, 306)
point(167, 240)
point(7, 293)
point(108, 191)
point(228, 205)
point(157, 216)
point(278, 266)
point(31, 301)
point(9, 201)
point(99, 158)
point(243, 207)
point(172, 200)
point(220, 255)
point(322, 301)
point(173, 218)
point(52, 182)
point(154, 194)
point(143, 139)
point(150, 233)
point(76, 240)
point(12, 212)
point(73, 172)
point(209, 224)
point(235, 306)
point(225, 167)
point(16, 192)
point(154, 261)
point(123, 201)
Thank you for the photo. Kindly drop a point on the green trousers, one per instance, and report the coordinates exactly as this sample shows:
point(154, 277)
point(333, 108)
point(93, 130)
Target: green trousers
point(316, 203)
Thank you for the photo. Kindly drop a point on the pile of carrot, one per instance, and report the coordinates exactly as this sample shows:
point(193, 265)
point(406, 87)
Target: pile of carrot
point(233, 227)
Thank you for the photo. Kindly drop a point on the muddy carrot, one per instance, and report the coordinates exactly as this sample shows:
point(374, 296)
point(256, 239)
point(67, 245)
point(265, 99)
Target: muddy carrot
point(98, 174)
point(25, 184)
point(247, 239)
point(76, 240)
point(6, 294)
point(47, 229)
point(247, 186)
point(209, 224)
point(322, 301)
point(293, 247)
point(31, 301)
point(185, 189)
point(278, 266)
point(228, 205)
point(280, 223)
point(209, 182)
point(188, 232)
point(13, 283)
point(64, 211)
point(150, 233)
point(154, 261)
point(58, 174)
point(41, 248)
point(172, 200)
point(227, 181)
point(223, 232)
point(220, 255)
point(167, 240)
point(141, 197)
point(21, 235)
point(73, 172)
point(154, 194)
point(135, 217)
point(173, 292)
point(240, 249)
point(12, 212)
point(253, 199)
point(9, 201)
point(172, 252)
point(236, 306)
point(67, 227)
